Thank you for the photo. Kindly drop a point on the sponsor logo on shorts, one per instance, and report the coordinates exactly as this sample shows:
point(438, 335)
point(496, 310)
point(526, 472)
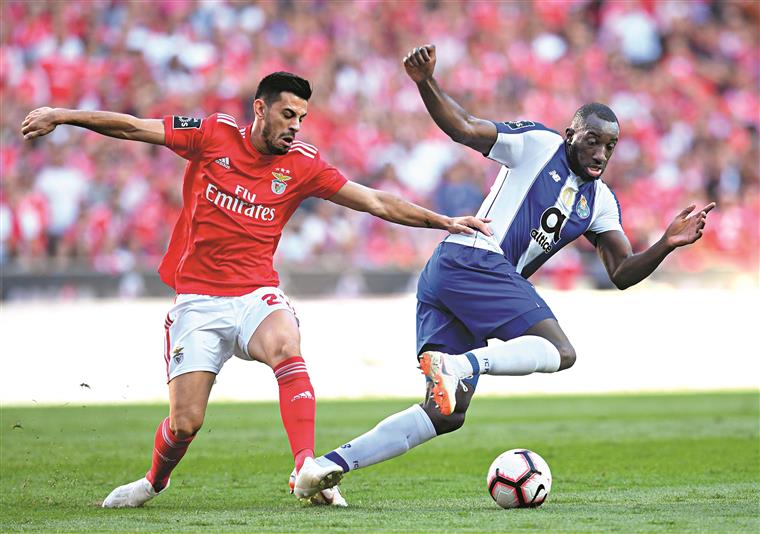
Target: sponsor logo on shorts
point(305, 395)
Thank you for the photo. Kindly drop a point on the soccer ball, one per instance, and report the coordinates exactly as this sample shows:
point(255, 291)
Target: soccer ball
point(519, 478)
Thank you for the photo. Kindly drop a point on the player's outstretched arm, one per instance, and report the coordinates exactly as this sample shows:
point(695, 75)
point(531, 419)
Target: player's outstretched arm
point(626, 268)
point(42, 121)
point(397, 210)
point(450, 117)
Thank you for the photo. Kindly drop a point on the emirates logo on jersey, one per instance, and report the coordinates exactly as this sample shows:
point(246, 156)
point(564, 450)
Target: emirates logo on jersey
point(280, 180)
point(235, 204)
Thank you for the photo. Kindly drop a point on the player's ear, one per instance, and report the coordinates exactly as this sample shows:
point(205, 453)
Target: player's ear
point(259, 108)
point(569, 133)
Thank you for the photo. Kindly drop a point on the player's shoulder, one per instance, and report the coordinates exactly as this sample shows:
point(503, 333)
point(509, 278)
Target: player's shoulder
point(224, 128)
point(605, 194)
point(304, 156)
point(225, 123)
point(301, 150)
point(603, 189)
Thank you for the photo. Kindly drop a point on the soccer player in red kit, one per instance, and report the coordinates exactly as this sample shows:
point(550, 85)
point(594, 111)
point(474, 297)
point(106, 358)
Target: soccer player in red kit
point(241, 185)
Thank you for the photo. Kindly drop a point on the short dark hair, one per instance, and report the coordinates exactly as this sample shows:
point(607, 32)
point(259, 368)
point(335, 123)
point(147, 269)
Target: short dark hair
point(594, 108)
point(272, 85)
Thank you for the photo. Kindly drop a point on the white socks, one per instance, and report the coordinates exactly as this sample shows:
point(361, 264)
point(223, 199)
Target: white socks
point(402, 431)
point(520, 356)
point(391, 437)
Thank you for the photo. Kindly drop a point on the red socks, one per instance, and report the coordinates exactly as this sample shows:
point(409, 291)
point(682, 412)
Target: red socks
point(168, 450)
point(297, 407)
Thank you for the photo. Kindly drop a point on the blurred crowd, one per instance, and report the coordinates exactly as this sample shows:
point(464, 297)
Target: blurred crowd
point(682, 77)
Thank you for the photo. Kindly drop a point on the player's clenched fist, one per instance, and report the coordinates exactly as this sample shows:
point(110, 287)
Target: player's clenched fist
point(39, 122)
point(420, 63)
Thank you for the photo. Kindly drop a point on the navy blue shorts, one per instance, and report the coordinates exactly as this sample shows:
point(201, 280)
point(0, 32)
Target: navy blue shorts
point(467, 295)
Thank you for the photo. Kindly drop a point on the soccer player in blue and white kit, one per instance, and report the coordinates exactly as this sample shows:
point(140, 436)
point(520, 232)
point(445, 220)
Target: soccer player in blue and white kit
point(474, 287)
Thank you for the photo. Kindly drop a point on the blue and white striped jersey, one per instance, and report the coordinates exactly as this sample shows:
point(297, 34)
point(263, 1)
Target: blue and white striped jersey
point(538, 205)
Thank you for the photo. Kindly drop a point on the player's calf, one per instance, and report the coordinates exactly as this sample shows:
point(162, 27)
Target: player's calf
point(444, 424)
point(444, 378)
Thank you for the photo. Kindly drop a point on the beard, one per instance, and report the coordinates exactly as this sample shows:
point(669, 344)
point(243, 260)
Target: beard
point(273, 149)
point(572, 159)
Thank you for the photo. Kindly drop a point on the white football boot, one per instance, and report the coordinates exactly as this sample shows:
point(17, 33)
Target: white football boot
point(132, 495)
point(445, 384)
point(326, 497)
point(313, 478)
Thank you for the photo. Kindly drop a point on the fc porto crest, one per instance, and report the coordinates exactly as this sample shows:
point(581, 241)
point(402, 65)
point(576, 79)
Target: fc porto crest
point(280, 181)
point(582, 209)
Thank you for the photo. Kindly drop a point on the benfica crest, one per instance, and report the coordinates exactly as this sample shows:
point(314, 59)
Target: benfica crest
point(280, 182)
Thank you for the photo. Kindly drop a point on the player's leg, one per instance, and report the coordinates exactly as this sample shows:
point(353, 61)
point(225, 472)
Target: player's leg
point(542, 348)
point(269, 332)
point(505, 306)
point(199, 339)
point(188, 398)
point(550, 330)
point(277, 343)
point(437, 329)
point(400, 432)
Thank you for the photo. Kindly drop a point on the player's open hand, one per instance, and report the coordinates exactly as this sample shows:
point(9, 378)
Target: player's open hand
point(688, 225)
point(469, 225)
point(39, 122)
point(420, 63)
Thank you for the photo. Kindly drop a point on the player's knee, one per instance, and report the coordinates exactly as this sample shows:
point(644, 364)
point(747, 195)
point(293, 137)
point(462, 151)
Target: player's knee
point(566, 356)
point(444, 424)
point(279, 347)
point(186, 424)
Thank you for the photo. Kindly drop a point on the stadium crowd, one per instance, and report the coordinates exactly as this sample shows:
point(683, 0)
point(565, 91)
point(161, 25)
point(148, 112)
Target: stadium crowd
point(682, 77)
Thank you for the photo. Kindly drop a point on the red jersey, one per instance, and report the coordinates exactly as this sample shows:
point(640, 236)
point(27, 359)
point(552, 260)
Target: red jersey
point(236, 202)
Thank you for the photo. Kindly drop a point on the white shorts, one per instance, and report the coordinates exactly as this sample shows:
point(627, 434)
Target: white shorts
point(203, 332)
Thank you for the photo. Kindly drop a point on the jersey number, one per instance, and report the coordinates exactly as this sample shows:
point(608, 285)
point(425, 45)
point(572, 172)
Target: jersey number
point(551, 226)
point(271, 299)
point(555, 226)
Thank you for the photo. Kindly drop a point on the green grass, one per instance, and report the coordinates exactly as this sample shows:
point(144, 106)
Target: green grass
point(640, 463)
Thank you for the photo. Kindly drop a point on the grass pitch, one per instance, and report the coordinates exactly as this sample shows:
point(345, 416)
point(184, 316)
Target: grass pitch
point(640, 463)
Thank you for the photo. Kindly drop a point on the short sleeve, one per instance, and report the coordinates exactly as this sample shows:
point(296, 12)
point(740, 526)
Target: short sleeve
point(327, 181)
point(188, 136)
point(518, 141)
point(607, 215)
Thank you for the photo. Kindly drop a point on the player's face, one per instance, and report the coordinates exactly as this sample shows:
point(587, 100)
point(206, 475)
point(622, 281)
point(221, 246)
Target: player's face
point(281, 121)
point(590, 146)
